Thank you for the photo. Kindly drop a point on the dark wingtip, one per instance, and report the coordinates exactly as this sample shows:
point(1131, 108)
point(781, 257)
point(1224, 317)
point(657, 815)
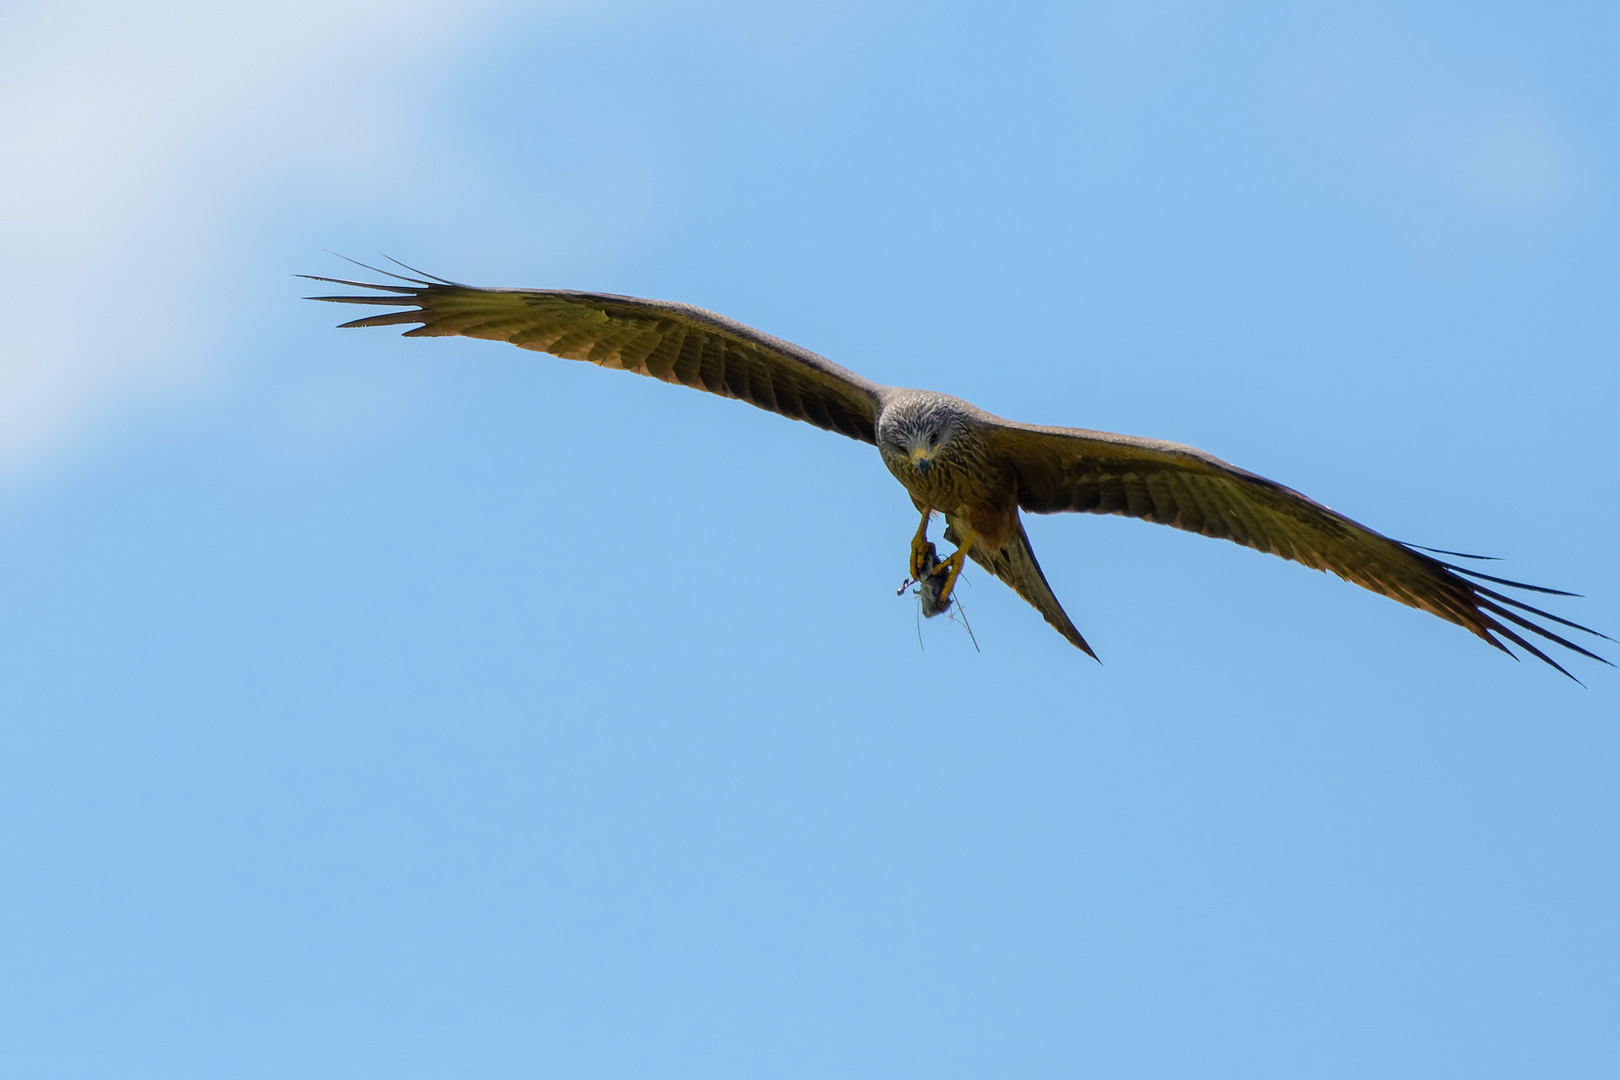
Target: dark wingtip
point(424, 273)
point(1480, 590)
point(380, 270)
point(1540, 631)
point(1443, 551)
point(1533, 651)
point(406, 295)
point(1487, 602)
point(1513, 584)
point(425, 281)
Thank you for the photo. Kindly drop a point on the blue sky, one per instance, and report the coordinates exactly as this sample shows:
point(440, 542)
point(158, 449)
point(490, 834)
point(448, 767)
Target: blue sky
point(420, 708)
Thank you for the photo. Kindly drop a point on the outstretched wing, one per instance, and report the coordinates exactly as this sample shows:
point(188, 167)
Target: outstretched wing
point(1068, 469)
point(673, 342)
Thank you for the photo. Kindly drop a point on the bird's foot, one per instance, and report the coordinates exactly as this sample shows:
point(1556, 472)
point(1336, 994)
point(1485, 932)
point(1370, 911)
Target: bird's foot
point(926, 574)
point(936, 578)
point(937, 585)
point(923, 555)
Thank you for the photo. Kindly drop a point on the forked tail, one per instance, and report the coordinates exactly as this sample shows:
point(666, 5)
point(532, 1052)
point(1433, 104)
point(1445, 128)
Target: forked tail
point(1015, 565)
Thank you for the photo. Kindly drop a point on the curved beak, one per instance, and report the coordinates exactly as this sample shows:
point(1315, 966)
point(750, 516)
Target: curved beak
point(920, 459)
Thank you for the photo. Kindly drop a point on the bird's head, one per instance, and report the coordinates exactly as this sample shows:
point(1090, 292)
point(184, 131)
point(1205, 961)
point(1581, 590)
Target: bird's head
point(919, 435)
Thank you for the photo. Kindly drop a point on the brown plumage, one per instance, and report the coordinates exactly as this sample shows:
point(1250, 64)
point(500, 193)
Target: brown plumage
point(977, 469)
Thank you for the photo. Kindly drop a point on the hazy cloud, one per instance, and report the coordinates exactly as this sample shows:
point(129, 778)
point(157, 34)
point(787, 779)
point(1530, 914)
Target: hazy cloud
point(129, 132)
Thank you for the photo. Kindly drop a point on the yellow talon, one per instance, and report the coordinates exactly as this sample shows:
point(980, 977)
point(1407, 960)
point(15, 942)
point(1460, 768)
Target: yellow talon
point(952, 568)
point(926, 565)
point(923, 556)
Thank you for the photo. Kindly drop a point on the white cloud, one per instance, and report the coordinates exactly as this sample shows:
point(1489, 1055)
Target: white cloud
point(129, 132)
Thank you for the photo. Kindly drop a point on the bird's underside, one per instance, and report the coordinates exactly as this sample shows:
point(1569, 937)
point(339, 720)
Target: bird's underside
point(978, 470)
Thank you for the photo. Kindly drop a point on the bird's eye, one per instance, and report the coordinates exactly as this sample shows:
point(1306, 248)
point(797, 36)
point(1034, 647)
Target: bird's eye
point(933, 439)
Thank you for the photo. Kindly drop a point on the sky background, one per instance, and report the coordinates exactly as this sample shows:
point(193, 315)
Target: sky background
point(373, 707)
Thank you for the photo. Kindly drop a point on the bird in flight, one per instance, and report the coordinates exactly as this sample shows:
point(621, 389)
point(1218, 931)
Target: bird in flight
point(976, 469)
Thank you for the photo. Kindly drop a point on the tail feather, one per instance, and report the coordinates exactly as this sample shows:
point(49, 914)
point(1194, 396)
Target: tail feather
point(1015, 565)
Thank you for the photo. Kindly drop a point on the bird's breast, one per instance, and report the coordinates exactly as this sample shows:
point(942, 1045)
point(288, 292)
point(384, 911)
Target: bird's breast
point(953, 486)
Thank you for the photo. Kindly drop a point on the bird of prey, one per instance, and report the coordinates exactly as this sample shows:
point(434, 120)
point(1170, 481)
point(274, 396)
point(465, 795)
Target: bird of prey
point(976, 469)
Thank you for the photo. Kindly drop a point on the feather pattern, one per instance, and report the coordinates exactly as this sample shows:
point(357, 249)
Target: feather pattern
point(984, 469)
point(676, 343)
point(1072, 469)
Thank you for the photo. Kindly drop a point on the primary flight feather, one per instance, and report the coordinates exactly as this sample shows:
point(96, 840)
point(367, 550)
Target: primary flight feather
point(976, 469)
